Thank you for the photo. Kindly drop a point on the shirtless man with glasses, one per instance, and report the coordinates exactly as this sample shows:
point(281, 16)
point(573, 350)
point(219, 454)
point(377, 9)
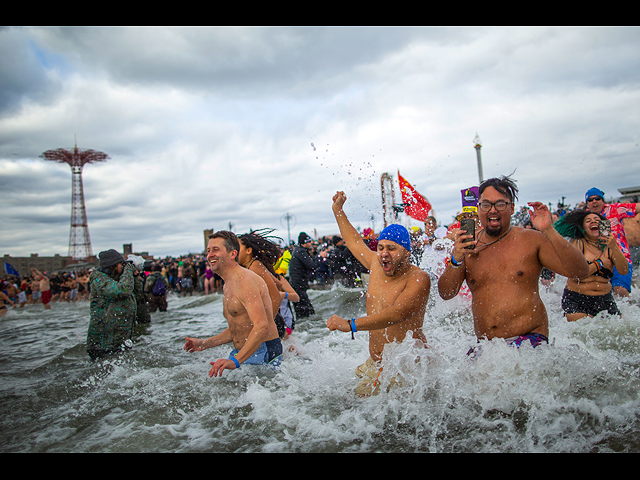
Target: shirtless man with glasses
point(502, 269)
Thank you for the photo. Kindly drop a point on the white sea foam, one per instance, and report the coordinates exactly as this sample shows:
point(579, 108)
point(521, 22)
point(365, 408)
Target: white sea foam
point(579, 394)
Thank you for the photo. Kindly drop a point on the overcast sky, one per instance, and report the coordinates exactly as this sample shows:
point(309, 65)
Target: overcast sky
point(207, 126)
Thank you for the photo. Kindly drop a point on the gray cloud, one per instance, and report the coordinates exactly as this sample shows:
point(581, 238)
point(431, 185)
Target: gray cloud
point(206, 126)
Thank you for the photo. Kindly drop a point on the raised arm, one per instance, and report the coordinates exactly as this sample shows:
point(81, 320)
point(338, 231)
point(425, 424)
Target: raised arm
point(112, 288)
point(350, 235)
point(38, 273)
point(557, 254)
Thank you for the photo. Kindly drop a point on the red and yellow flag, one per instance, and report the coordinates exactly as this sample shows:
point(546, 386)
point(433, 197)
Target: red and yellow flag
point(417, 207)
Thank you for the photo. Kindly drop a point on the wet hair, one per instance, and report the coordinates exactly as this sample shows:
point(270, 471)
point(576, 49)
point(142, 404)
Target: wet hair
point(263, 249)
point(230, 240)
point(571, 224)
point(505, 185)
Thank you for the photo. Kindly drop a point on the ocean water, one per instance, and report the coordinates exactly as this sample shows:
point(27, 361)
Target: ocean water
point(579, 394)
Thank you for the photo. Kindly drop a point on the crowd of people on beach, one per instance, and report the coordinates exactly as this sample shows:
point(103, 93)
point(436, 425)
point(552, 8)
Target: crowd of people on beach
point(492, 253)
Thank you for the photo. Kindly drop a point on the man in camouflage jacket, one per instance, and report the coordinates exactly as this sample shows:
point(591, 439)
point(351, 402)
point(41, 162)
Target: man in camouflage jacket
point(112, 306)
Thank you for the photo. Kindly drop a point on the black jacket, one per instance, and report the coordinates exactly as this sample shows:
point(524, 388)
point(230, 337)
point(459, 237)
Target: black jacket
point(301, 266)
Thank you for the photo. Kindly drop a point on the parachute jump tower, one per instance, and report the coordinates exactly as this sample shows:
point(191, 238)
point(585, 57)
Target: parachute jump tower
point(79, 241)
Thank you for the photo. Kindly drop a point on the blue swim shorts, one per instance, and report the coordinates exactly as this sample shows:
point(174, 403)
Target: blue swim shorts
point(268, 353)
point(622, 280)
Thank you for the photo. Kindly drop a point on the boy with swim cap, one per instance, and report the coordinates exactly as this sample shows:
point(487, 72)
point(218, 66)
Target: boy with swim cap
point(396, 299)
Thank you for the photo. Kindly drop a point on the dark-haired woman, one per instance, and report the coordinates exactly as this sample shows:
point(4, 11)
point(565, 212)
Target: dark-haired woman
point(591, 295)
point(259, 254)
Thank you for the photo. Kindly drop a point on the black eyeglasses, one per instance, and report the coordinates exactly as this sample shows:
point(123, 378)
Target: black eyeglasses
point(500, 205)
point(593, 199)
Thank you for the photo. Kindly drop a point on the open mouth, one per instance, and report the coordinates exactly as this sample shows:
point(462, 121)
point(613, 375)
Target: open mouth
point(493, 221)
point(387, 265)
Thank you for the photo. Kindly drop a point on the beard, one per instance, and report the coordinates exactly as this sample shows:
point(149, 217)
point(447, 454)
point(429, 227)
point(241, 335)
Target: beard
point(495, 229)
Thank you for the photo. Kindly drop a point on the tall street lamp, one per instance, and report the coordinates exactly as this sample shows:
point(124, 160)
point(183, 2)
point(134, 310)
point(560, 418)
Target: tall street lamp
point(478, 144)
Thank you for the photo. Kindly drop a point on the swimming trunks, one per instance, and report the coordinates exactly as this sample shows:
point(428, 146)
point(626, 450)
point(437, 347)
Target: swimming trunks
point(534, 339)
point(268, 353)
point(619, 280)
point(371, 372)
point(574, 302)
point(46, 296)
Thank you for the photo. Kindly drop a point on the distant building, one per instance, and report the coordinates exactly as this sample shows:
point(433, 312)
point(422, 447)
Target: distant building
point(206, 238)
point(629, 195)
point(23, 265)
point(127, 249)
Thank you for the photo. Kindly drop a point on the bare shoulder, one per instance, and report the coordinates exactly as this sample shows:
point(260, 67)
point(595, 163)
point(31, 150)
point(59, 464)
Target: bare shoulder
point(249, 279)
point(243, 282)
point(528, 235)
point(419, 277)
point(417, 272)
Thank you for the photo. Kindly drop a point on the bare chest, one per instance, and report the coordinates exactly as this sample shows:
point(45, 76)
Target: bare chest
point(508, 263)
point(383, 292)
point(232, 307)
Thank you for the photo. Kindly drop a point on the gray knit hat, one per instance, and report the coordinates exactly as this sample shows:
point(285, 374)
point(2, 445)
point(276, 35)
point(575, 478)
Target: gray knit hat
point(109, 258)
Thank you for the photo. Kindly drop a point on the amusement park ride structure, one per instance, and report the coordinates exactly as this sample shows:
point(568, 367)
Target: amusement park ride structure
point(389, 208)
point(79, 240)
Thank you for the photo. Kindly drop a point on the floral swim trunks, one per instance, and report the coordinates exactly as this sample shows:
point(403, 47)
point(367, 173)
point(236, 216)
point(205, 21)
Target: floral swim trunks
point(534, 339)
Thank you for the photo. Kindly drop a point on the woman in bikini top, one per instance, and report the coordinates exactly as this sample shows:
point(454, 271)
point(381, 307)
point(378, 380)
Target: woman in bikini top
point(600, 250)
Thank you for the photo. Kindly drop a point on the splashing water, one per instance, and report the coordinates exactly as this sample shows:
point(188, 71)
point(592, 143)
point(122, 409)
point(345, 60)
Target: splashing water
point(579, 394)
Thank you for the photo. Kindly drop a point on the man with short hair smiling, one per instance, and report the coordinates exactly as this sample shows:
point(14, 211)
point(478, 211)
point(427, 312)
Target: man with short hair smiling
point(247, 308)
point(615, 213)
point(502, 270)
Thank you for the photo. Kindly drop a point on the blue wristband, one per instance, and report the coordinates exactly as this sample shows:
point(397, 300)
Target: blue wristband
point(353, 328)
point(236, 362)
point(455, 264)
